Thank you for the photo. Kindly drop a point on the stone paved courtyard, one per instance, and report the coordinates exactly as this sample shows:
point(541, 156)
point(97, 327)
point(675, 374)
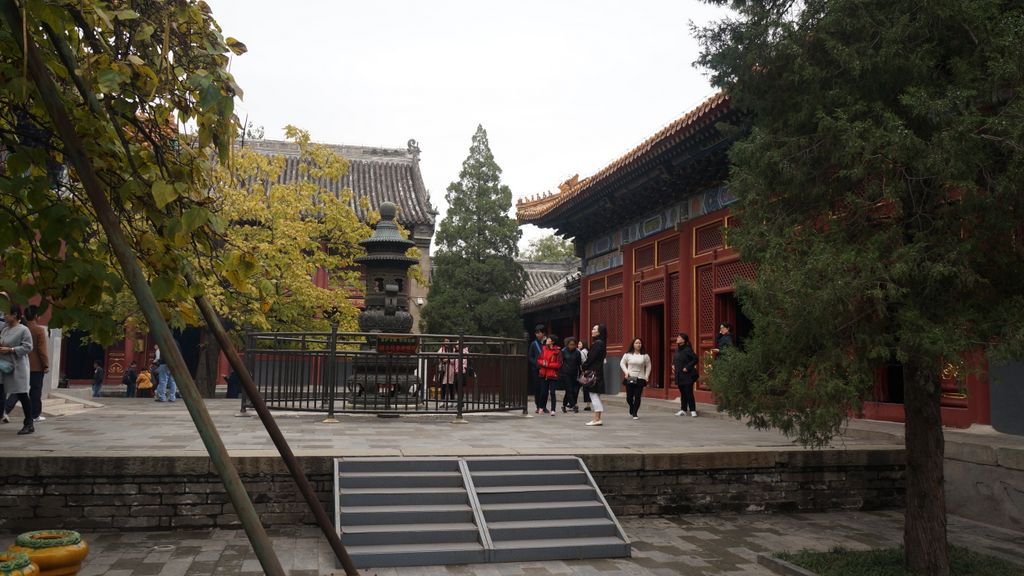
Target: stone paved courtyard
point(138, 425)
point(725, 545)
point(691, 544)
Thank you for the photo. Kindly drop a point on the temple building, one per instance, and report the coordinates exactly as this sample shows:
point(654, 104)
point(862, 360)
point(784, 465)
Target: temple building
point(377, 174)
point(650, 230)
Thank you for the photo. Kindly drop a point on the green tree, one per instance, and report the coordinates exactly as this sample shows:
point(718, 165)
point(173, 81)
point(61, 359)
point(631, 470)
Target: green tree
point(550, 248)
point(880, 196)
point(149, 94)
point(477, 283)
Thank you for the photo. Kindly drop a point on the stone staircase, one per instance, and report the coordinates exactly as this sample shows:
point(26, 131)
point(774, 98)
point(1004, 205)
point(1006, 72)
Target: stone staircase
point(434, 511)
point(59, 404)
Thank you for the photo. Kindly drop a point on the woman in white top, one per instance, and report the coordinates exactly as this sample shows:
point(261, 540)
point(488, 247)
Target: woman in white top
point(636, 369)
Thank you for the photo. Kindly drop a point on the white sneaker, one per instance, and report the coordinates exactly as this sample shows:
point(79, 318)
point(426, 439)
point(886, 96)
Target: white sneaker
point(693, 414)
point(636, 417)
point(594, 423)
point(4, 418)
point(681, 413)
point(39, 418)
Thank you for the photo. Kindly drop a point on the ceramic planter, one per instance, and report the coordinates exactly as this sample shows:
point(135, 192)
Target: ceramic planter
point(17, 564)
point(56, 552)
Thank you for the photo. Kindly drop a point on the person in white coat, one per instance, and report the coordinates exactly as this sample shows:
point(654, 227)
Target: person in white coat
point(636, 369)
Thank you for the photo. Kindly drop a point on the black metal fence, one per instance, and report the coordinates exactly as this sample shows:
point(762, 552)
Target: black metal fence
point(352, 372)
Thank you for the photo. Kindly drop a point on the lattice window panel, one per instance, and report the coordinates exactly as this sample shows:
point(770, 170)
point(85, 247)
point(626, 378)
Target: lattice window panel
point(652, 291)
point(615, 280)
point(608, 311)
point(674, 306)
point(668, 250)
point(726, 274)
point(597, 285)
point(644, 257)
point(709, 238)
point(705, 300)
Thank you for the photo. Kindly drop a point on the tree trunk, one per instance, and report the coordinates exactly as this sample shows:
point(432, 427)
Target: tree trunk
point(209, 362)
point(924, 532)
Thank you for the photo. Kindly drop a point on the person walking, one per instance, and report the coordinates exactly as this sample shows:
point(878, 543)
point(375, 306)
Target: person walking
point(532, 356)
point(595, 362)
point(129, 378)
point(636, 369)
point(39, 364)
point(97, 378)
point(572, 361)
point(684, 370)
point(15, 347)
point(550, 363)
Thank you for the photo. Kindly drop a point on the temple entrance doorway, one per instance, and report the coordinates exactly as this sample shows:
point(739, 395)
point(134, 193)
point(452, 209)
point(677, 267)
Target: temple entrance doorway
point(729, 310)
point(652, 330)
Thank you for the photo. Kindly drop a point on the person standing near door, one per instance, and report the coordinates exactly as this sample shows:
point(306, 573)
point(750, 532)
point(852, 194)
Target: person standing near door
point(684, 370)
point(636, 369)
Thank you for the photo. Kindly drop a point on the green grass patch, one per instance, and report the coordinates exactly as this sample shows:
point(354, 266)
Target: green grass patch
point(889, 562)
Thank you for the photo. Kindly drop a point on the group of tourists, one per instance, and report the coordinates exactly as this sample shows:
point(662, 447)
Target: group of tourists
point(575, 368)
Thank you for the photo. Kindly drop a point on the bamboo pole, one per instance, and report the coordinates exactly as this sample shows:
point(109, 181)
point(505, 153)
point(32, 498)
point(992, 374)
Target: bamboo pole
point(74, 151)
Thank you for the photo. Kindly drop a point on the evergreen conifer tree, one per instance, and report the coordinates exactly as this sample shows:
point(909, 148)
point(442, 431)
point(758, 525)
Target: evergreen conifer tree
point(477, 283)
point(880, 196)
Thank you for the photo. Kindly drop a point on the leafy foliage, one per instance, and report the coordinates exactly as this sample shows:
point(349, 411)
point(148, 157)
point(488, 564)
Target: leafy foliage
point(150, 94)
point(880, 189)
point(477, 284)
point(550, 248)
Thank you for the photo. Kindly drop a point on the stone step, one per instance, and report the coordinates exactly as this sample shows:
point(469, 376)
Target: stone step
point(522, 463)
point(519, 477)
point(527, 511)
point(405, 514)
point(401, 496)
point(537, 494)
point(400, 479)
point(381, 465)
point(434, 554)
point(393, 534)
point(553, 529)
point(534, 550)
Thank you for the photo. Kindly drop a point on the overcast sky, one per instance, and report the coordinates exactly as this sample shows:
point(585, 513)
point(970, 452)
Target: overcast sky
point(562, 87)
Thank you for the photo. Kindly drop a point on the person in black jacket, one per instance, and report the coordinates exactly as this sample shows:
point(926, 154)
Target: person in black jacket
point(684, 370)
point(595, 362)
point(536, 382)
point(568, 373)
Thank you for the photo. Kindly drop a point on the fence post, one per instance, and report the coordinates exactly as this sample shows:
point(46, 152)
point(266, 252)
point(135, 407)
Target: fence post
point(332, 374)
point(249, 364)
point(460, 381)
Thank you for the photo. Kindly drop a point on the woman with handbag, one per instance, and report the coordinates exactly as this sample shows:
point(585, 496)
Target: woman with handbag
point(15, 346)
point(636, 369)
point(595, 365)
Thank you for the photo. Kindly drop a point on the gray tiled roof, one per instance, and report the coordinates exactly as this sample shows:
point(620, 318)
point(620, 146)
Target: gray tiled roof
point(378, 174)
point(543, 275)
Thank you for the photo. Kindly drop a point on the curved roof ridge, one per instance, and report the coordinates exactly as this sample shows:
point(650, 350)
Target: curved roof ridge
point(527, 210)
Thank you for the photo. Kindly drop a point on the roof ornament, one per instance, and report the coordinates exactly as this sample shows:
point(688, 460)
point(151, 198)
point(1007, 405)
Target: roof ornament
point(569, 185)
point(414, 148)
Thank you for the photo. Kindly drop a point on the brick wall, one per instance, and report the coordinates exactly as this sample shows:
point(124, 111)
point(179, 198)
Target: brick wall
point(166, 492)
point(750, 481)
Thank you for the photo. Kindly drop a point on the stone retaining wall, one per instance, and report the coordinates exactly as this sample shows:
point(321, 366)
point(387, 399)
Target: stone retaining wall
point(166, 492)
